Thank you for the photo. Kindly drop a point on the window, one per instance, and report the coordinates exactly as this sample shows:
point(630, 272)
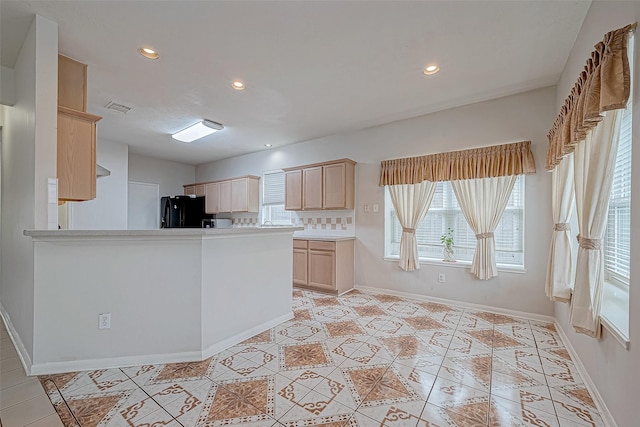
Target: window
point(617, 236)
point(273, 199)
point(617, 239)
point(445, 212)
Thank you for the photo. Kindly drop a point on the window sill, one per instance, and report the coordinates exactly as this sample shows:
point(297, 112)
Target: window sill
point(614, 314)
point(461, 264)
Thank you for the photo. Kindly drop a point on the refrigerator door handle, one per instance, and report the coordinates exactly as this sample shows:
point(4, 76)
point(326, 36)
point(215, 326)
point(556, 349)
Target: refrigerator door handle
point(166, 213)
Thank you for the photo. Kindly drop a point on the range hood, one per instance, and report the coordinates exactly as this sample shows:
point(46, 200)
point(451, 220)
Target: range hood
point(102, 171)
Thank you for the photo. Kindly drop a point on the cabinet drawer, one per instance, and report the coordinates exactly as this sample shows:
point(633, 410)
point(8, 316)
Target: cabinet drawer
point(300, 244)
point(322, 246)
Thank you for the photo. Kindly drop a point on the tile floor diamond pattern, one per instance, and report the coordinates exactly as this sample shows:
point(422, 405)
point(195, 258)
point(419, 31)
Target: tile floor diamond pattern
point(356, 360)
point(304, 355)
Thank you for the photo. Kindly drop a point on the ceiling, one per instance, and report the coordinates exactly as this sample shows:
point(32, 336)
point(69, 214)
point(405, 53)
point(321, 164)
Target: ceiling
point(311, 68)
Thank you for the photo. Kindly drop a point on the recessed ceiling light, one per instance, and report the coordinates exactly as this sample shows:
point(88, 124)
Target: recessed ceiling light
point(237, 85)
point(197, 131)
point(147, 52)
point(431, 69)
point(268, 145)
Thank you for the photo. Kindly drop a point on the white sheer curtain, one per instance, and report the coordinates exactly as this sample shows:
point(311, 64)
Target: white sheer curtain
point(594, 162)
point(411, 203)
point(483, 202)
point(560, 269)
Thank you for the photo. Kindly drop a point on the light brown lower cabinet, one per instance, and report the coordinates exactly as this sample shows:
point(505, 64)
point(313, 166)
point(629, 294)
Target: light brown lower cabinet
point(325, 266)
point(300, 262)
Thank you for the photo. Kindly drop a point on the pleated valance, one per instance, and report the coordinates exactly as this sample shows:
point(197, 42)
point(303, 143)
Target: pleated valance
point(603, 85)
point(486, 162)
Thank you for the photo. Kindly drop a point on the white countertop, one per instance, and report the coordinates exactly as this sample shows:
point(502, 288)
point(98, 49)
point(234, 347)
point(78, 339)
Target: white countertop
point(165, 232)
point(321, 237)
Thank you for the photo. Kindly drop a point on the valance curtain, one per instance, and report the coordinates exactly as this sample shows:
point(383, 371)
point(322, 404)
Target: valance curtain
point(560, 269)
point(594, 161)
point(603, 85)
point(486, 162)
point(411, 203)
point(483, 202)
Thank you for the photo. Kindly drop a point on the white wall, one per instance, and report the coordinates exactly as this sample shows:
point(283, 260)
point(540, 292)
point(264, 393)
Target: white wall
point(108, 211)
point(7, 86)
point(525, 116)
point(170, 176)
point(28, 158)
point(613, 369)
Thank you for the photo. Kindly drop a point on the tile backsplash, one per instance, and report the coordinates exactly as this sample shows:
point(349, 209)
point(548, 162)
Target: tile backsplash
point(336, 223)
point(326, 222)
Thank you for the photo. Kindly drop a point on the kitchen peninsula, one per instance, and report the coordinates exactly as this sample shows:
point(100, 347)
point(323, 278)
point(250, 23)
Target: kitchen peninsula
point(173, 295)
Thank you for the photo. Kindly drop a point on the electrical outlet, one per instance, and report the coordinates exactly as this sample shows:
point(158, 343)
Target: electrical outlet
point(376, 207)
point(104, 321)
point(366, 208)
point(441, 278)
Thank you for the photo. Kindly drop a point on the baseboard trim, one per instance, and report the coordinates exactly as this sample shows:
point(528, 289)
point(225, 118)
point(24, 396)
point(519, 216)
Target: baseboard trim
point(113, 362)
point(154, 359)
point(236, 339)
point(23, 355)
point(490, 309)
point(607, 417)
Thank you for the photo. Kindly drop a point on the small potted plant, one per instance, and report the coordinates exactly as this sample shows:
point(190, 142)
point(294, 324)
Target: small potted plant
point(447, 241)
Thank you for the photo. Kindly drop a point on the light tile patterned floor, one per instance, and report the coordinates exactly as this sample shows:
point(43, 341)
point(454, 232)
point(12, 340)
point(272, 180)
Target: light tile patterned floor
point(23, 402)
point(356, 360)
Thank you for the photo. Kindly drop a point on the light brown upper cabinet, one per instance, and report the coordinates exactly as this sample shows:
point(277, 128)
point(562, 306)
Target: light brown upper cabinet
point(76, 155)
point(224, 196)
point(72, 84)
point(211, 198)
point(312, 188)
point(338, 184)
point(76, 151)
point(245, 194)
point(230, 195)
point(293, 190)
point(327, 185)
point(197, 189)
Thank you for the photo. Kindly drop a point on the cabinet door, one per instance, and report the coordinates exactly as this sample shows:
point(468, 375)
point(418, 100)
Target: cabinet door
point(300, 267)
point(293, 190)
point(72, 84)
point(224, 196)
point(189, 189)
point(312, 188)
point(322, 269)
point(76, 158)
point(211, 198)
point(200, 190)
point(239, 193)
point(334, 195)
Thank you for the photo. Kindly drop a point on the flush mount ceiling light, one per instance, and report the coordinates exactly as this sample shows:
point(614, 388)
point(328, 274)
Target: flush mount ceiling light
point(197, 131)
point(431, 69)
point(147, 52)
point(268, 145)
point(237, 85)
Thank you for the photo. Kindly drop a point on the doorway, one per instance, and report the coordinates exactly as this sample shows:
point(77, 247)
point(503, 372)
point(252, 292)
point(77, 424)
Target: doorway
point(143, 207)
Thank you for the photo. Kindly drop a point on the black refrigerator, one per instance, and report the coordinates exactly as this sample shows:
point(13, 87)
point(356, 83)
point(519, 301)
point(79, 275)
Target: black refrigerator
point(182, 212)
